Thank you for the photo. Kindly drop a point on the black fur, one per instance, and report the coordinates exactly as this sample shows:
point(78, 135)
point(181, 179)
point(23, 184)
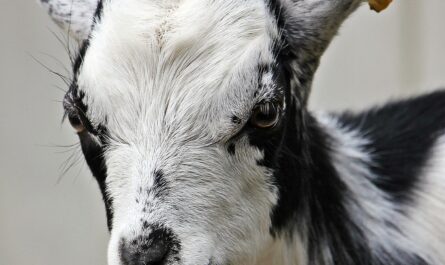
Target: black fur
point(312, 194)
point(402, 135)
point(99, 11)
point(160, 186)
point(231, 149)
point(94, 157)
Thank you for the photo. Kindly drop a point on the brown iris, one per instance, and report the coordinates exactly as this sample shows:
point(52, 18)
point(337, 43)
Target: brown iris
point(76, 122)
point(265, 115)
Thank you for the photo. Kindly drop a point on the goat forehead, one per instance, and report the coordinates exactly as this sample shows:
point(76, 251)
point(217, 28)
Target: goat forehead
point(175, 57)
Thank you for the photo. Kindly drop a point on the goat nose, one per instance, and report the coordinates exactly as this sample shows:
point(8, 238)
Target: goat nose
point(150, 250)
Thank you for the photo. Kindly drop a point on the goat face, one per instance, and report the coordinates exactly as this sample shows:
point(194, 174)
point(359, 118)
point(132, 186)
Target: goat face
point(184, 110)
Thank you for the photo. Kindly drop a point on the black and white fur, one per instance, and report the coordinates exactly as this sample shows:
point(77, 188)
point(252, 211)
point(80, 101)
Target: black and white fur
point(166, 89)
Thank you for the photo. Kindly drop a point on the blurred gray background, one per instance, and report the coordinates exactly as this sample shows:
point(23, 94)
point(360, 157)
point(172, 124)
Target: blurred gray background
point(50, 219)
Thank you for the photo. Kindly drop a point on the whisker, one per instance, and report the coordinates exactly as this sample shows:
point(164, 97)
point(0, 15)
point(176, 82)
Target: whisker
point(58, 61)
point(64, 45)
point(65, 79)
point(73, 160)
point(81, 168)
point(60, 88)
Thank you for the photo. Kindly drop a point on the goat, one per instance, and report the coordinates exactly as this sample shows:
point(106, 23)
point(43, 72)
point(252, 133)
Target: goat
point(192, 116)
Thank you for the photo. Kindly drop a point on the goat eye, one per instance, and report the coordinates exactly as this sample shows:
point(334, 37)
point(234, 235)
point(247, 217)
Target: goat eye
point(265, 115)
point(76, 122)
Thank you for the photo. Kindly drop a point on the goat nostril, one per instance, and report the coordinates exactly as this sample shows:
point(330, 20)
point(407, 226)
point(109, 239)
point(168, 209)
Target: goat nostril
point(151, 250)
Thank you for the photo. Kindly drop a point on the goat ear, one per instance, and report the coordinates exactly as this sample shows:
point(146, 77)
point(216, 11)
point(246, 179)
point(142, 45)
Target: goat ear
point(308, 27)
point(74, 16)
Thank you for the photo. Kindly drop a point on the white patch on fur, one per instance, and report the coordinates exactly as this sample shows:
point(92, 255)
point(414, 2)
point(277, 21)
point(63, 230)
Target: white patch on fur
point(418, 230)
point(165, 78)
point(426, 222)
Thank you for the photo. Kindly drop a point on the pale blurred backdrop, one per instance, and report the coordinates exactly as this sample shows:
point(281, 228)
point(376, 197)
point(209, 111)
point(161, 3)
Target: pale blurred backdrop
point(46, 219)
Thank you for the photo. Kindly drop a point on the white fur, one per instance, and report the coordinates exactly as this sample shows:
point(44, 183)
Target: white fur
point(167, 88)
point(425, 224)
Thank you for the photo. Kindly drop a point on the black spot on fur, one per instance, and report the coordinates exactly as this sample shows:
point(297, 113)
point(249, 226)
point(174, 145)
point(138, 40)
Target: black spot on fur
point(159, 176)
point(401, 136)
point(160, 187)
point(236, 120)
point(278, 12)
point(231, 149)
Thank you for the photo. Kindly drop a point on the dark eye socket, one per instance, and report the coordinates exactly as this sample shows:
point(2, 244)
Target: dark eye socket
point(76, 122)
point(266, 115)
